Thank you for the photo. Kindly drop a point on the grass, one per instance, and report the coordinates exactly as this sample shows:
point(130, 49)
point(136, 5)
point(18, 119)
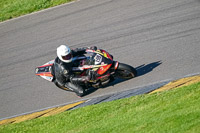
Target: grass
point(13, 8)
point(174, 111)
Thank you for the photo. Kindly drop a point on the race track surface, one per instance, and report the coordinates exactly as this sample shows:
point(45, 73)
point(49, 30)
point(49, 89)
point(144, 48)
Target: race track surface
point(161, 38)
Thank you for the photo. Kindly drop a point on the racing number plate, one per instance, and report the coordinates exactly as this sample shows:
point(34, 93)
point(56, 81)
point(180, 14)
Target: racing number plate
point(98, 59)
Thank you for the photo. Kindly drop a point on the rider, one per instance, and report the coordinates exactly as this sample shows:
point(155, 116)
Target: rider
point(62, 69)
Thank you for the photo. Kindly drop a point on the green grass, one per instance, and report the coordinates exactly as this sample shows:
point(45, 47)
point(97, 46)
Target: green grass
point(14, 8)
point(174, 111)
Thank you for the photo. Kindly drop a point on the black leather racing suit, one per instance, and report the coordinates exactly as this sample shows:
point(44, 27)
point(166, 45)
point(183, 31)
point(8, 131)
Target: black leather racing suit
point(64, 76)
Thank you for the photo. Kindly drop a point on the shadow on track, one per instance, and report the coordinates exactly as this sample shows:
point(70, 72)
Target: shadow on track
point(116, 81)
point(141, 70)
point(144, 69)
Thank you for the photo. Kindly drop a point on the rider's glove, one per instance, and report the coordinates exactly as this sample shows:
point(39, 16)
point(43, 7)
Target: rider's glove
point(92, 75)
point(85, 78)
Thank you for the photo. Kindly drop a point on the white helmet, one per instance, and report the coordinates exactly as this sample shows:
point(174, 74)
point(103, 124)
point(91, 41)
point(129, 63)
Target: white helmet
point(64, 53)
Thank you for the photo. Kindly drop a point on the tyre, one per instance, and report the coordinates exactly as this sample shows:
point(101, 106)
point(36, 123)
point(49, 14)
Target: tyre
point(125, 71)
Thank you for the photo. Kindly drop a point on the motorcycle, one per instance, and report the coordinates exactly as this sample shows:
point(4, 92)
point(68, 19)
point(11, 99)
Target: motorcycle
point(98, 60)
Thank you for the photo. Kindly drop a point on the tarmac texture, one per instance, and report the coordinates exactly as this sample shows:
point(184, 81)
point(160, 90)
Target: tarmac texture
point(160, 38)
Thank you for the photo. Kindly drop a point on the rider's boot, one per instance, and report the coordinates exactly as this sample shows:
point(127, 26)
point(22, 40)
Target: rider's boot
point(79, 90)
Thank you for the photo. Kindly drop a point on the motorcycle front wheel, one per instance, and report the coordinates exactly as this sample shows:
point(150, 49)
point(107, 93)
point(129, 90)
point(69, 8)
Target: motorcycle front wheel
point(125, 71)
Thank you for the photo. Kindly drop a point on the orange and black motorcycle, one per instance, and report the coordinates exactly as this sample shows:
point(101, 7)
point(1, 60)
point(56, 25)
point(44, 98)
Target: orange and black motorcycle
point(100, 61)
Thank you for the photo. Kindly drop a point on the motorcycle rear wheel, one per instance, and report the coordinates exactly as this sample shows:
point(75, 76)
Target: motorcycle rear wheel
point(125, 71)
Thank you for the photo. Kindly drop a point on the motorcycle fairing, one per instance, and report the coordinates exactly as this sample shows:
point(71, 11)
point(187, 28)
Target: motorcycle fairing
point(103, 60)
point(101, 52)
point(103, 69)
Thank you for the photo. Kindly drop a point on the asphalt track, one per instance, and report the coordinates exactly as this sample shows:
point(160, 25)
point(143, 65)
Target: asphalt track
point(161, 38)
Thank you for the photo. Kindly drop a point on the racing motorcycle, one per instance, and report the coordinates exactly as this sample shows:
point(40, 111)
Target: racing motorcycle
point(98, 60)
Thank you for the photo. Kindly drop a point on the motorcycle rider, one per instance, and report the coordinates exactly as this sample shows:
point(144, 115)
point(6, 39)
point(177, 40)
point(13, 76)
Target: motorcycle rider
point(64, 78)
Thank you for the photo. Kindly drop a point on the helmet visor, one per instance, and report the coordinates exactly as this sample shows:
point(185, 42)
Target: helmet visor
point(67, 57)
